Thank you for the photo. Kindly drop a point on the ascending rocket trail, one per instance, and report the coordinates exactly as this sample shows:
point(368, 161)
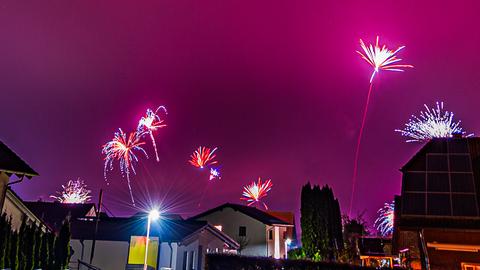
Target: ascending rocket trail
point(380, 58)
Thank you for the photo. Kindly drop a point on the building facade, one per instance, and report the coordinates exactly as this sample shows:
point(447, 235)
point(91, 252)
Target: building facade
point(257, 232)
point(437, 217)
point(121, 243)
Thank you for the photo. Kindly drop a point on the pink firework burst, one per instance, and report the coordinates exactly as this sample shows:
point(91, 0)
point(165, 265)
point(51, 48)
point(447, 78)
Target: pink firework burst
point(74, 192)
point(150, 123)
point(122, 149)
point(203, 157)
point(254, 192)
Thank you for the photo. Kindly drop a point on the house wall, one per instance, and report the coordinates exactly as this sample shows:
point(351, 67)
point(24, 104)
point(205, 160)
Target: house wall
point(109, 255)
point(231, 220)
point(3, 187)
point(281, 231)
point(16, 210)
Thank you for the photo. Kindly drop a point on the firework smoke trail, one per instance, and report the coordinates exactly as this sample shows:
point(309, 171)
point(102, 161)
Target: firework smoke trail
point(73, 192)
point(121, 149)
point(384, 222)
point(254, 192)
point(432, 123)
point(150, 123)
point(380, 58)
point(203, 157)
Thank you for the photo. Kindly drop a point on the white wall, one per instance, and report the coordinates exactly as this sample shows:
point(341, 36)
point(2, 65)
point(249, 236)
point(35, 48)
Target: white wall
point(16, 210)
point(271, 243)
point(231, 220)
point(109, 255)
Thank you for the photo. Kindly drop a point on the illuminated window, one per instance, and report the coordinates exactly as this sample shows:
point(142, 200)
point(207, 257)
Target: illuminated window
point(219, 227)
point(136, 252)
point(470, 266)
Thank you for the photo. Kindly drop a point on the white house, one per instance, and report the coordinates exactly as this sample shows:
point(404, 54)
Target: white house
point(257, 232)
point(120, 243)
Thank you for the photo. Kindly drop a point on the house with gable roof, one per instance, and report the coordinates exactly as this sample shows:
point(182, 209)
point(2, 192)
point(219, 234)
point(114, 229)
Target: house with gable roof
point(258, 232)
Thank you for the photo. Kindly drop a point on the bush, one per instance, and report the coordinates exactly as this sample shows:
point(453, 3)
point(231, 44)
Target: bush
point(218, 261)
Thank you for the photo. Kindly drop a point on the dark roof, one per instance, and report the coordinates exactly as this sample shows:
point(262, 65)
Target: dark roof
point(54, 213)
point(436, 145)
point(121, 228)
point(249, 211)
point(11, 163)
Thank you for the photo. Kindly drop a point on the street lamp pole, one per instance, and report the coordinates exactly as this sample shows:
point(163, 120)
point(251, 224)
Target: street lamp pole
point(153, 215)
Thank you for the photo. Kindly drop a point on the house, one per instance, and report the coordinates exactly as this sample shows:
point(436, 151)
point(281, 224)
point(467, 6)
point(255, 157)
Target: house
point(54, 213)
point(375, 252)
point(11, 164)
point(437, 217)
point(257, 232)
point(121, 242)
point(16, 211)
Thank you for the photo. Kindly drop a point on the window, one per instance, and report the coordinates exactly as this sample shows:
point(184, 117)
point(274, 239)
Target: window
point(414, 181)
point(136, 251)
point(464, 205)
point(438, 182)
point(460, 163)
point(470, 266)
point(270, 234)
point(414, 203)
point(437, 163)
point(285, 235)
point(462, 182)
point(438, 204)
point(242, 231)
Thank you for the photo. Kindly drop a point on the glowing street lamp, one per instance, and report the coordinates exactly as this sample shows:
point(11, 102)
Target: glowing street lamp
point(288, 242)
point(152, 216)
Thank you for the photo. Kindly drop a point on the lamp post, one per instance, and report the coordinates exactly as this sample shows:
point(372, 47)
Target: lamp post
point(152, 216)
point(288, 241)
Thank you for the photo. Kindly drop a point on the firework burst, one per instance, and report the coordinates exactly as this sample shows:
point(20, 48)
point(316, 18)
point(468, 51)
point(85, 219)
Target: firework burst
point(380, 58)
point(254, 192)
point(122, 149)
point(150, 123)
point(214, 173)
point(73, 192)
point(432, 123)
point(384, 222)
point(203, 157)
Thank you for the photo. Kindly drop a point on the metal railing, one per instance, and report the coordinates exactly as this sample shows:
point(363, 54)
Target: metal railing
point(86, 266)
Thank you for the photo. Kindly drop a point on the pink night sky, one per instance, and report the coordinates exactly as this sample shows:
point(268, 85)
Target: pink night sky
point(276, 85)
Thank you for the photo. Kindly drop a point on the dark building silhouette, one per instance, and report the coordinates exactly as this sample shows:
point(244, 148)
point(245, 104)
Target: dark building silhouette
point(437, 216)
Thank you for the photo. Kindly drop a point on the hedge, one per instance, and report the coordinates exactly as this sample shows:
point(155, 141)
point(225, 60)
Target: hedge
point(218, 261)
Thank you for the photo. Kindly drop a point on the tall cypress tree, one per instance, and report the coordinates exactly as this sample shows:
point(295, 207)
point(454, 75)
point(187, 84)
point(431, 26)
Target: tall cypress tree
point(52, 239)
point(14, 249)
point(62, 246)
point(8, 243)
point(38, 245)
point(44, 251)
point(3, 234)
point(29, 247)
point(321, 223)
point(22, 238)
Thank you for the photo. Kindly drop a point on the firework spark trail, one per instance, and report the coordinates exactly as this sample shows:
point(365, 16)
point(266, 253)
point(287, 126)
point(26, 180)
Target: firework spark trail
point(74, 192)
point(254, 192)
point(380, 58)
point(357, 148)
point(203, 157)
point(121, 149)
point(432, 123)
point(384, 222)
point(150, 123)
